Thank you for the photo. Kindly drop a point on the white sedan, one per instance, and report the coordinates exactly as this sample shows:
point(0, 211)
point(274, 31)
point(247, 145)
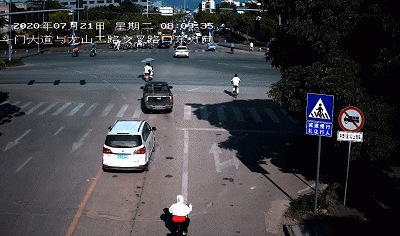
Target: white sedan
point(181, 51)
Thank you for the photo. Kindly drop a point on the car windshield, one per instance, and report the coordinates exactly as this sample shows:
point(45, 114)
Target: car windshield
point(157, 88)
point(181, 48)
point(123, 141)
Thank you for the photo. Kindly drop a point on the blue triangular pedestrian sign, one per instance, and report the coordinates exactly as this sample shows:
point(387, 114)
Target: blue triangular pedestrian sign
point(319, 107)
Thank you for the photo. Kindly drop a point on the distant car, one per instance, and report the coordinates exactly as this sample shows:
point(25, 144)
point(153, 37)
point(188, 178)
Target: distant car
point(181, 51)
point(128, 145)
point(211, 47)
point(157, 96)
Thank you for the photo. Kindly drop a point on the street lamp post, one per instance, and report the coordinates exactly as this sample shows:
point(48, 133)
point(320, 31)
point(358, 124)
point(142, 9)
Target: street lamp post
point(10, 35)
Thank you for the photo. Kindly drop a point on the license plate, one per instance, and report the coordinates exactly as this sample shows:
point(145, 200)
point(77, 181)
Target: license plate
point(122, 157)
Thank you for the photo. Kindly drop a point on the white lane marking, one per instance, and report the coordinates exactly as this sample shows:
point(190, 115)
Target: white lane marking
point(76, 145)
point(251, 67)
point(25, 105)
point(48, 108)
point(76, 109)
point(187, 112)
point(239, 130)
point(225, 64)
point(23, 164)
point(122, 110)
point(220, 113)
point(59, 130)
point(203, 113)
point(255, 114)
point(219, 166)
point(309, 187)
point(185, 172)
point(137, 113)
point(34, 108)
point(16, 141)
point(93, 76)
point(193, 89)
point(77, 71)
point(238, 114)
point(272, 115)
point(90, 110)
point(61, 109)
point(107, 110)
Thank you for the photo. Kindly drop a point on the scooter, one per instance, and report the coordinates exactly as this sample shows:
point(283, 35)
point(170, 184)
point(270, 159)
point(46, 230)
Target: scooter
point(180, 228)
point(148, 75)
point(74, 53)
point(235, 93)
point(92, 53)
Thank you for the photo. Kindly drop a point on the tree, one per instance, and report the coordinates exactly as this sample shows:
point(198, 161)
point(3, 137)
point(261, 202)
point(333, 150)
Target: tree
point(317, 53)
point(247, 23)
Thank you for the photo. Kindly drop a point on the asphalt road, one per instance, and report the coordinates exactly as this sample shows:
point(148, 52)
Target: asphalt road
point(225, 155)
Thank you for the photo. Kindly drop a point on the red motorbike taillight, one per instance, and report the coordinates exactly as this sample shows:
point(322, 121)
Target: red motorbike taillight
point(141, 151)
point(106, 150)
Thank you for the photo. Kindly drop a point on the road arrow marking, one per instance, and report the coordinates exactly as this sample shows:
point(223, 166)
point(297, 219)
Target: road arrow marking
point(76, 145)
point(219, 166)
point(12, 144)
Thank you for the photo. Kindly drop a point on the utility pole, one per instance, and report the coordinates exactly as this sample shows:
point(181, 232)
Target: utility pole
point(10, 9)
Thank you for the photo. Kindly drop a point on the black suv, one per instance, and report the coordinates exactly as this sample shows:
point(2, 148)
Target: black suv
point(157, 96)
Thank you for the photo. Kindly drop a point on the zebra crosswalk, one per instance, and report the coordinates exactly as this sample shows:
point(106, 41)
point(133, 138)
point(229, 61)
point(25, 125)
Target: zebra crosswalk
point(220, 113)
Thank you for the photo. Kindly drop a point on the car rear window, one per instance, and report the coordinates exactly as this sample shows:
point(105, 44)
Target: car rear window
point(123, 141)
point(160, 88)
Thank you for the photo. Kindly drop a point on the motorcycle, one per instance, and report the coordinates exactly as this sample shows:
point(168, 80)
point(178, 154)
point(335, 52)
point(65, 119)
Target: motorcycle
point(231, 50)
point(74, 53)
point(181, 223)
point(235, 93)
point(148, 75)
point(92, 52)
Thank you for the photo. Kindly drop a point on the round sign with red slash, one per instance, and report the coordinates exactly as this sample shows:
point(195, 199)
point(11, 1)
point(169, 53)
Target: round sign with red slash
point(351, 119)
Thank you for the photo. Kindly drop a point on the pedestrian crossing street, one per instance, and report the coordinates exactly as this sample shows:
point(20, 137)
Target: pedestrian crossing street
point(181, 111)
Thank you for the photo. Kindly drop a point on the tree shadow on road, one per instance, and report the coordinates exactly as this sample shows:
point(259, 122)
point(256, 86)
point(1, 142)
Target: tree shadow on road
point(373, 189)
point(8, 111)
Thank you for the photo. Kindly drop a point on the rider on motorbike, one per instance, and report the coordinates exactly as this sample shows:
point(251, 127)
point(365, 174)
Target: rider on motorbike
point(75, 50)
point(235, 81)
point(179, 212)
point(93, 49)
point(149, 69)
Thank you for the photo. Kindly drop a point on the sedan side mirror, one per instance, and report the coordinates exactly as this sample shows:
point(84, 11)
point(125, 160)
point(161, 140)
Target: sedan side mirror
point(170, 87)
point(141, 87)
point(153, 128)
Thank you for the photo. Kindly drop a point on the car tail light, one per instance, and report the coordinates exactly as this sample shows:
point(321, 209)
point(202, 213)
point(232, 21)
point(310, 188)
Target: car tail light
point(106, 150)
point(141, 151)
point(171, 99)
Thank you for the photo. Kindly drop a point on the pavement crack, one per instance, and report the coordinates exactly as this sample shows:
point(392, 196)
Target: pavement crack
point(139, 203)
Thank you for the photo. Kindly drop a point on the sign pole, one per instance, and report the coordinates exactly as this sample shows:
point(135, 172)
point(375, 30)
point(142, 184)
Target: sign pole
point(316, 183)
point(347, 175)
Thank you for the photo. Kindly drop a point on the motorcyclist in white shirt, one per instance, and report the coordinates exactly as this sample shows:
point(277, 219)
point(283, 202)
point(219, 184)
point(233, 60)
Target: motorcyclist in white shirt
point(235, 81)
point(179, 212)
point(149, 69)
